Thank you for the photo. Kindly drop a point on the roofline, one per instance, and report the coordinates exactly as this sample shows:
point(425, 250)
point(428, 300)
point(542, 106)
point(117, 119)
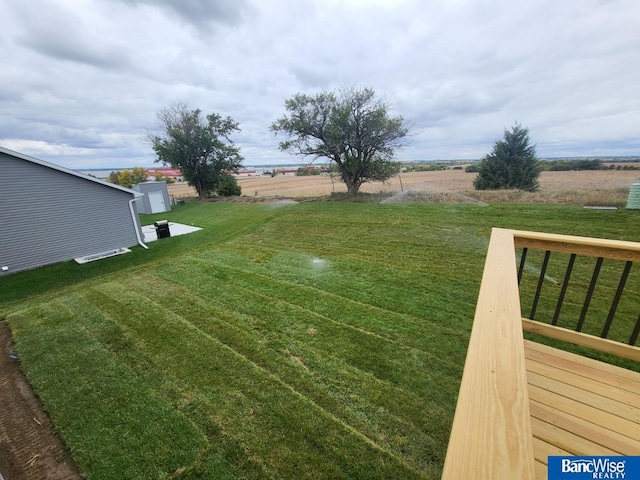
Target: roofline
point(68, 171)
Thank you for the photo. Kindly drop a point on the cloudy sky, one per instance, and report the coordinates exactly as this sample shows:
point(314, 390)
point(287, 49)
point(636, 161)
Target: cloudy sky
point(81, 80)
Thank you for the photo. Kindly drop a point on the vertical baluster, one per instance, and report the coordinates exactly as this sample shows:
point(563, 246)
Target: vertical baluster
point(616, 299)
point(636, 331)
point(587, 300)
point(563, 291)
point(522, 260)
point(540, 282)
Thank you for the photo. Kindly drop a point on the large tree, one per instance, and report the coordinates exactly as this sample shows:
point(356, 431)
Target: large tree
point(351, 128)
point(511, 165)
point(200, 147)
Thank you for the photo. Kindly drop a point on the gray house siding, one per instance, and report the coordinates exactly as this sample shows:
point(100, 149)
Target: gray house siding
point(49, 216)
point(144, 203)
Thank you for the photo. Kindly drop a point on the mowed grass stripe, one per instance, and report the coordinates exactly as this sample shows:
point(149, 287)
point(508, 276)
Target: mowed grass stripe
point(110, 412)
point(417, 226)
point(414, 428)
point(287, 431)
point(220, 456)
point(419, 256)
point(404, 366)
point(423, 295)
point(363, 317)
point(332, 288)
point(441, 283)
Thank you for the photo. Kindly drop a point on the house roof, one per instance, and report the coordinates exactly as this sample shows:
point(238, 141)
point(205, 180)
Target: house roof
point(68, 171)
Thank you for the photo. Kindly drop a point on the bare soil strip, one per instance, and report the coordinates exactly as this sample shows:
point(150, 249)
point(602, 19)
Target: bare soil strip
point(29, 446)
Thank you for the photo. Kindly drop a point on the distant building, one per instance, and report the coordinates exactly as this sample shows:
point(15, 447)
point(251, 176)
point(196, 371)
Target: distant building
point(246, 173)
point(52, 214)
point(174, 173)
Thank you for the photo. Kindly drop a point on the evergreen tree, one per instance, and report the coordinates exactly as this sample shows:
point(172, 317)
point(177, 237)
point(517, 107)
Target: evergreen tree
point(512, 165)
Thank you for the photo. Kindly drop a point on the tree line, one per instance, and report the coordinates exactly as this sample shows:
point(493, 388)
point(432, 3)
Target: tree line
point(128, 178)
point(352, 128)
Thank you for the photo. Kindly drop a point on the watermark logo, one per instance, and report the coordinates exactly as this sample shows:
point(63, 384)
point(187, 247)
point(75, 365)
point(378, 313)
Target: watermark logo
point(578, 468)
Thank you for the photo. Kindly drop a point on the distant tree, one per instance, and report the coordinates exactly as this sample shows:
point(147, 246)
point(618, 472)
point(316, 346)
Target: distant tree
point(158, 177)
point(198, 146)
point(511, 165)
point(307, 171)
point(126, 179)
point(228, 186)
point(353, 129)
point(139, 175)
point(113, 178)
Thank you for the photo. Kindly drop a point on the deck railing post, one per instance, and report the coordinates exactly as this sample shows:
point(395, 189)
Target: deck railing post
point(587, 299)
point(543, 272)
point(616, 299)
point(563, 290)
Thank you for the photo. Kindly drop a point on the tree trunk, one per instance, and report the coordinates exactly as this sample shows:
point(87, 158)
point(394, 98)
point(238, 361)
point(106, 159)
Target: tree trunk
point(352, 188)
point(202, 195)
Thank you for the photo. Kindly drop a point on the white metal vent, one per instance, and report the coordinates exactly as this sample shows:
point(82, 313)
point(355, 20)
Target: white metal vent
point(98, 256)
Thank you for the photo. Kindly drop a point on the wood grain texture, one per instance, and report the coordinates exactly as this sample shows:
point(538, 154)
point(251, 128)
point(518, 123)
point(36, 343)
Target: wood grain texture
point(617, 442)
point(580, 405)
point(603, 372)
point(491, 434)
point(583, 339)
point(592, 247)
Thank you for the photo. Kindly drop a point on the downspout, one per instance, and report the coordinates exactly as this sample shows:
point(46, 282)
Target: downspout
point(135, 223)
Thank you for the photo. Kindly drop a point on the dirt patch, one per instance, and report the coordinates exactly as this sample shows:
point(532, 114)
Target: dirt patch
point(29, 447)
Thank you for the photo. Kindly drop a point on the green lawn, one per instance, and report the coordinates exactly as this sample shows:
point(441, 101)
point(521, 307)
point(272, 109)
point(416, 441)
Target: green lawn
point(318, 340)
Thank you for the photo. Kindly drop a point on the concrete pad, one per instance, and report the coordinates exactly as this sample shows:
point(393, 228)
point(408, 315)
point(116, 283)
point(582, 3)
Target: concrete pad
point(175, 229)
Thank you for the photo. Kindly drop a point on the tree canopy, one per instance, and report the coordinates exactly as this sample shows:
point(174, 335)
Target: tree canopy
point(128, 178)
point(511, 165)
point(351, 128)
point(200, 147)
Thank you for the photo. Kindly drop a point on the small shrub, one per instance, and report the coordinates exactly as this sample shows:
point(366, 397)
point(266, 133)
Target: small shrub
point(228, 187)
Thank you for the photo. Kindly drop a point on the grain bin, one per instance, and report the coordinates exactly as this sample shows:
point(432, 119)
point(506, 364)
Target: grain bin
point(633, 202)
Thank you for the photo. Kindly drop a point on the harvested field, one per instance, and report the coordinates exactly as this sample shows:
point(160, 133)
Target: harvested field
point(562, 187)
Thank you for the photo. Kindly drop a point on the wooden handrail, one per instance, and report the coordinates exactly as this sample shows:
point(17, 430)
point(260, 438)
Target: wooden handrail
point(491, 433)
point(592, 247)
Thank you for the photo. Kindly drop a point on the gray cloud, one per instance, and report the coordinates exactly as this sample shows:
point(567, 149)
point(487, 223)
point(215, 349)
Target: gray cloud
point(200, 13)
point(81, 81)
point(60, 32)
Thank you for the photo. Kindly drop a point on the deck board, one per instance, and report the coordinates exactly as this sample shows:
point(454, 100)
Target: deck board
point(603, 372)
point(622, 444)
point(571, 379)
point(580, 406)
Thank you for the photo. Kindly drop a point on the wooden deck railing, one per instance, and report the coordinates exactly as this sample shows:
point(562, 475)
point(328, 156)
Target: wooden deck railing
point(624, 253)
point(491, 434)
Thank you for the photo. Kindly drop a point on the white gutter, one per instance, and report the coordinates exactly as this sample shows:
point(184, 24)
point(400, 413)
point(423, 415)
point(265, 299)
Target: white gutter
point(135, 224)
